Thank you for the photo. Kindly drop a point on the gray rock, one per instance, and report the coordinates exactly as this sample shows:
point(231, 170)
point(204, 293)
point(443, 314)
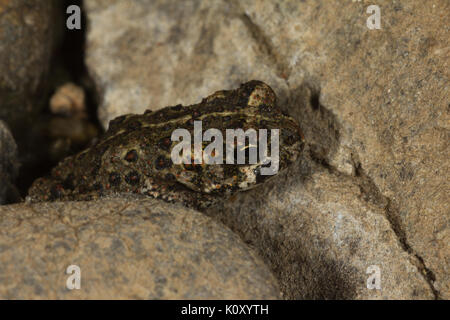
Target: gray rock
point(318, 231)
point(126, 249)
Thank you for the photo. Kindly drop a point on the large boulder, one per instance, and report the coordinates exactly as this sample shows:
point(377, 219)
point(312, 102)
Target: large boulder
point(125, 249)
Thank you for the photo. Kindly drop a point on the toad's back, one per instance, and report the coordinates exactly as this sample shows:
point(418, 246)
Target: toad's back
point(134, 156)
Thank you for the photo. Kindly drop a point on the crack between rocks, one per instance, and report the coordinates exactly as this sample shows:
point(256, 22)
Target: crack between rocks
point(392, 215)
point(372, 194)
point(263, 41)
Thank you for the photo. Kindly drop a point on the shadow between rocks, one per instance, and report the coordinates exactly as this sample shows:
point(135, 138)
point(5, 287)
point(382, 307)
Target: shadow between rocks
point(319, 124)
point(301, 265)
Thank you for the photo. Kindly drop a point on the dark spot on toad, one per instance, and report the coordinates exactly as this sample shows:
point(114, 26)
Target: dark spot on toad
point(95, 170)
point(132, 178)
point(195, 114)
point(289, 137)
point(56, 191)
point(170, 177)
point(167, 127)
point(165, 143)
point(68, 183)
point(193, 167)
point(134, 125)
point(265, 108)
point(83, 189)
point(263, 124)
point(131, 156)
point(162, 163)
point(98, 186)
point(114, 178)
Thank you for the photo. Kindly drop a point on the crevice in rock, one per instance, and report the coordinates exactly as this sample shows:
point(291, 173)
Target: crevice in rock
point(264, 42)
point(392, 215)
point(322, 132)
point(266, 47)
point(314, 100)
point(372, 194)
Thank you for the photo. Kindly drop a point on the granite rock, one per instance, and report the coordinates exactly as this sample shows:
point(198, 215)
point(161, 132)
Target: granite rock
point(125, 249)
point(323, 233)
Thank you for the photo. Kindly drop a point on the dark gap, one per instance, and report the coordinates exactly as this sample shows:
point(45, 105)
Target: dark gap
point(67, 65)
point(358, 170)
point(315, 104)
point(367, 187)
point(72, 53)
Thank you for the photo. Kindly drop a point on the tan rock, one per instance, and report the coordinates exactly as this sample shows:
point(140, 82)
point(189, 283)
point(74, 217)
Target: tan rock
point(373, 105)
point(152, 54)
point(387, 93)
point(321, 234)
point(125, 250)
point(69, 99)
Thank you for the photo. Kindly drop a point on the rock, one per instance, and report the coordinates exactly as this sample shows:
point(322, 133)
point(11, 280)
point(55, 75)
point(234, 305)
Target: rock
point(320, 234)
point(27, 35)
point(152, 54)
point(384, 94)
point(125, 250)
point(69, 100)
point(373, 105)
point(9, 164)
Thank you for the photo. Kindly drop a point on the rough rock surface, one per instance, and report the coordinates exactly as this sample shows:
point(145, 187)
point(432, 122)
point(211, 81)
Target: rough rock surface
point(8, 163)
point(387, 91)
point(152, 54)
point(321, 232)
point(26, 41)
point(373, 103)
point(125, 250)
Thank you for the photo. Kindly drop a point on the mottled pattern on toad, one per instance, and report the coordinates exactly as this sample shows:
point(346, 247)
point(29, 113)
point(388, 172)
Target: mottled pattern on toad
point(134, 154)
